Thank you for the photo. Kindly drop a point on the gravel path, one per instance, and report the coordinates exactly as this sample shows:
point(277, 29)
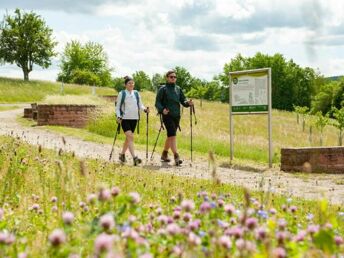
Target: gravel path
point(311, 186)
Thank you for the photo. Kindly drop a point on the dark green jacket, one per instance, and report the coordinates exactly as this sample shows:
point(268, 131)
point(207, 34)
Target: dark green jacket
point(170, 96)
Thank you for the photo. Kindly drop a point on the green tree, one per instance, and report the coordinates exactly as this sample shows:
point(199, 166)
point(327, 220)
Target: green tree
point(320, 123)
point(301, 111)
point(198, 90)
point(118, 83)
point(324, 99)
point(85, 77)
point(291, 84)
point(238, 63)
point(25, 40)
point(338, 99)
point(184, 78)
point(142, 81)
point(157, 80)
point(339, 123)
point(90, 58)
point(214, 91)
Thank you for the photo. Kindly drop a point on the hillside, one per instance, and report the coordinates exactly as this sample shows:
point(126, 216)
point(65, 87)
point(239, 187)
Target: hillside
point(16, 90)
point(334, 78)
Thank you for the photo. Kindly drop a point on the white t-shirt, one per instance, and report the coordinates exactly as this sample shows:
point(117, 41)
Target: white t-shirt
point(129, 107)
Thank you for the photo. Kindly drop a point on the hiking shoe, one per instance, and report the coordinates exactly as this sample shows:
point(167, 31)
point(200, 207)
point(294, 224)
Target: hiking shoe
point(177, 160)
point(164, 157)
point(122, 158)
point(137, 161)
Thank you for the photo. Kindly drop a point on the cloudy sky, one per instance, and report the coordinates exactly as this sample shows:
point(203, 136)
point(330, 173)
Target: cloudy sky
point(200, 35)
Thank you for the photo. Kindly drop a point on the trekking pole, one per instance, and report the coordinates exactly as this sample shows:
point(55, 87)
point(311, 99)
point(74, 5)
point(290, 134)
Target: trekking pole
point(161, 128)
point(191, 131)
point(193, 110)
point(147, 135)
point(114, 141)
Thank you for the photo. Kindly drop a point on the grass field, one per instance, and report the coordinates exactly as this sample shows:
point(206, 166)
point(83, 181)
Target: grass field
point(4, 108)
point(101, 209)
point(210, 134)
point(16, 91)
point(212, 131)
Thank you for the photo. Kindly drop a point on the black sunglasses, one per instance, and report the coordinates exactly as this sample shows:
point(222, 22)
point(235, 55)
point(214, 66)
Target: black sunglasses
point(173, 77)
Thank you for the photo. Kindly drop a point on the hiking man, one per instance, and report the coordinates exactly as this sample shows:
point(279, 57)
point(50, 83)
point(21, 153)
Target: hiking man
point(128, 109)
point(168, 100)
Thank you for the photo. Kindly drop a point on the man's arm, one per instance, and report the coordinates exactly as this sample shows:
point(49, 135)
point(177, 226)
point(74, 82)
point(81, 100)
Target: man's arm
point(182, 99)
point(158, 101)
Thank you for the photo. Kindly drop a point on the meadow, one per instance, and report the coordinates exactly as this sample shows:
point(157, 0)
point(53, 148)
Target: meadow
point(19, 91)
point(55, 205)
point(10, 107)
point(210, 134)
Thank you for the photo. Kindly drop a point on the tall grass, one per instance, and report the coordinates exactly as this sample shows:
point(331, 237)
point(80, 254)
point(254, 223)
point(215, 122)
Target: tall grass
point(210, 134)
point(73, 100)
point(16, 90)
point(212, 131)
point(30, 177)
point(5, 108)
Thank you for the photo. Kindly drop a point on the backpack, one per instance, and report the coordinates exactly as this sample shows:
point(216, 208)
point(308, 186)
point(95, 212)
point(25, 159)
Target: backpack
point(136, 93)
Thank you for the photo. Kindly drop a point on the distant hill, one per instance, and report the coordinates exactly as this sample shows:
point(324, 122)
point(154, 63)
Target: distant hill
point(334, 78)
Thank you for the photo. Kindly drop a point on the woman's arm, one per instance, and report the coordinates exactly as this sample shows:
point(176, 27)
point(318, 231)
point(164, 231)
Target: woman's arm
point(142, 107)
point(118, 105)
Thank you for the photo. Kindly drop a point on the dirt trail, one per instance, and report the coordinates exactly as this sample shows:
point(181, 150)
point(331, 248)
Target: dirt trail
point(308, 186)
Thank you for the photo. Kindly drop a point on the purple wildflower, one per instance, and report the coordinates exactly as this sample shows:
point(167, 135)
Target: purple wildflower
point(225, 242)
point(91, 198)
point(135, 197)
point(103, 243)
point(338, 240)
point(229, 209)
point(251, 223)
point(115, 191)
point(107, 222)
point(68, 217)
point(205, 207)
point(104, 194)
point(188, 205)
point(173, 229)
point(193, 239)
point(57, 237)
point(279, 252)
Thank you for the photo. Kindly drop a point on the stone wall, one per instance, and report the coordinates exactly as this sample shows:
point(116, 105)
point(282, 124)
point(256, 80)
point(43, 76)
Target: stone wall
point(64, 115)
point(28, 113)
point(313, 159)
point(31, 113)
point(34, 111)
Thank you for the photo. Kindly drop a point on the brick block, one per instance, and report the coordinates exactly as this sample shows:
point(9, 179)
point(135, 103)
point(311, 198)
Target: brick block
point(313, 159)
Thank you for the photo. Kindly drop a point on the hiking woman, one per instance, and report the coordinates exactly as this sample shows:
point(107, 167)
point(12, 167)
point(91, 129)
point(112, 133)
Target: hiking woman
point(128, 109)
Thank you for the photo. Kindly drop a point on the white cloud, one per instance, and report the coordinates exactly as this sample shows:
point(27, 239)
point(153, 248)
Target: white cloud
point(201, 35)
point(235, 9)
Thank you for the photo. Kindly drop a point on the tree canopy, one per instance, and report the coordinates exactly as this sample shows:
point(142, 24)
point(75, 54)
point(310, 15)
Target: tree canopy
point(85, 64)
point(26, 40)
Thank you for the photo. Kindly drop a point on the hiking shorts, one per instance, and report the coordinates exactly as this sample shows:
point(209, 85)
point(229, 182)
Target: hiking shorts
point(129, 125)
point(171, 124)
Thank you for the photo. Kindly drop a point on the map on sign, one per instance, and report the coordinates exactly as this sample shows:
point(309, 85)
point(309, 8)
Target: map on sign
point(250, 92)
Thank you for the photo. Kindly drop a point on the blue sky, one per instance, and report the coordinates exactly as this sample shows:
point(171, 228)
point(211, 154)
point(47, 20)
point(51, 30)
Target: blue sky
point(203, 35)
